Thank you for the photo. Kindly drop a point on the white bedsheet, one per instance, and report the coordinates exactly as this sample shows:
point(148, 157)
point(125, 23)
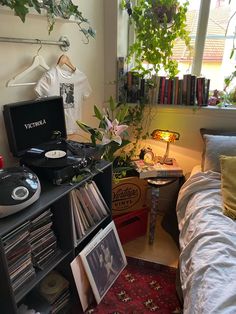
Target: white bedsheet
point(208, 247)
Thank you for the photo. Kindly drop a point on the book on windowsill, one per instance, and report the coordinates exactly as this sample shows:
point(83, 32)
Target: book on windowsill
point(157, 169)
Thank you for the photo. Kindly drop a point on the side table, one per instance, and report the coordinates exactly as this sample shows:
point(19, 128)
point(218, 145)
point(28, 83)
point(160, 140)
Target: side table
point(156, 184)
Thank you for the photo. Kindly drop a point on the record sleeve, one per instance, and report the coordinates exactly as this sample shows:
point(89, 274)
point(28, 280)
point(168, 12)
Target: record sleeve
point(85, 208)
point(101, 197)
point(88, 202)
point(78, 222)
point(103, 260)
point(83, 286)
point(101, 205)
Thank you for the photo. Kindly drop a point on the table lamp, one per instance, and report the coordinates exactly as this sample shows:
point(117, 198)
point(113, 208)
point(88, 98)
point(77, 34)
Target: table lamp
point(168, 137)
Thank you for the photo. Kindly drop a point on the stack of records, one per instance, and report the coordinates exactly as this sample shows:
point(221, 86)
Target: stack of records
point(18, 254)
point(88, 208)
point(43, 240)
point(55, 289)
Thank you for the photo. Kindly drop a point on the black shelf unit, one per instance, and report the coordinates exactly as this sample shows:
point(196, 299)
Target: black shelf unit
point(56, 198)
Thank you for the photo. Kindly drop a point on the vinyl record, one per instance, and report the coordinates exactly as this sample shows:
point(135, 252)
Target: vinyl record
point(44, 162)
point(52, 284)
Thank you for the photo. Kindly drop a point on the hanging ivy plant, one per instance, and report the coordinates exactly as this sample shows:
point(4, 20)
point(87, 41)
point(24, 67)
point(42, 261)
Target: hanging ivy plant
point(56, 8)
point(157, 25)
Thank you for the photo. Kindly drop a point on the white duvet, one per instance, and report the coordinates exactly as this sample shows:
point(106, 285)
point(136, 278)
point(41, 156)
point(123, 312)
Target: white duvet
point(208, 247)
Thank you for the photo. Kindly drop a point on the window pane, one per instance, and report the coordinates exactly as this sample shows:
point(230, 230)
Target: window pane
point(216, 63)
point(180, 52)
point(218, 46)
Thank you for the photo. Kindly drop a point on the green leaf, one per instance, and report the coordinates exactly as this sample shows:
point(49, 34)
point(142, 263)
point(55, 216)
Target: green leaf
point(63, 8)
point(86, 128)
point(121, 115)
point(36, 6)
point(20, 9)
point(232, 53)
point(112, 104)
point(97, 113)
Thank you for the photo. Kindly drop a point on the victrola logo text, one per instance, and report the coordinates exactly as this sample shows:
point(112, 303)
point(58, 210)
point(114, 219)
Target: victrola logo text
point(35, 124)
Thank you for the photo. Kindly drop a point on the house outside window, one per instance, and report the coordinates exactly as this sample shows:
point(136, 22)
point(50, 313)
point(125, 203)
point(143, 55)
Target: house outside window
point(215, 62)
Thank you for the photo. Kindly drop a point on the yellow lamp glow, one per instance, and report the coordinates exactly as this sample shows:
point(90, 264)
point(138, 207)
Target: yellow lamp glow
point(168, 137)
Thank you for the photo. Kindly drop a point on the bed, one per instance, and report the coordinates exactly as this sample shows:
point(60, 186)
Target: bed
point(206, 213)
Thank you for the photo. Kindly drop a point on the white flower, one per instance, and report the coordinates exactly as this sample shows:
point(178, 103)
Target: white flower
point(112, 132)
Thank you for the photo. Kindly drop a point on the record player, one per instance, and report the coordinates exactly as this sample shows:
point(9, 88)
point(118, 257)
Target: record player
point(36, 133)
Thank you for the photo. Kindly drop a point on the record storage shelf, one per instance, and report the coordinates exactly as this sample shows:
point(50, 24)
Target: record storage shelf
point(56, 198)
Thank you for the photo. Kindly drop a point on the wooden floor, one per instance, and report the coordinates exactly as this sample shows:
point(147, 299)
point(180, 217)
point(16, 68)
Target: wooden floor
point(163, 250)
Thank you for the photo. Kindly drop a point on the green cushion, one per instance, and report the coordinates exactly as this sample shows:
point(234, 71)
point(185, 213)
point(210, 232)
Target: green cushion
point(228, 184)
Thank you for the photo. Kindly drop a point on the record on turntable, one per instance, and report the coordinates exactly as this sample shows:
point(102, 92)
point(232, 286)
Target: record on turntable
point(55, 154)
point(56, 160)
point(45, 162)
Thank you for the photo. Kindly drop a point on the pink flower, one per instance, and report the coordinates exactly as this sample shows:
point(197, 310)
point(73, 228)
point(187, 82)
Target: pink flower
point(113, 132)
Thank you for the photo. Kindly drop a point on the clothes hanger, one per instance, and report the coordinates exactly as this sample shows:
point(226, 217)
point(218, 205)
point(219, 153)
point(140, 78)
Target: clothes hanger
point(64, 60)
point(37, 61)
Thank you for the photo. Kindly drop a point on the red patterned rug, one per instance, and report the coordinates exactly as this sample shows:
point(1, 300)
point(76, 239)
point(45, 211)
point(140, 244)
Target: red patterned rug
point(142, 287)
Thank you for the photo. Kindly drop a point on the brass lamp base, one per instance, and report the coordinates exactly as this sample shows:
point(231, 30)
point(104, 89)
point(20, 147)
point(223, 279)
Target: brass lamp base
point(167, 161)
point(163, 160)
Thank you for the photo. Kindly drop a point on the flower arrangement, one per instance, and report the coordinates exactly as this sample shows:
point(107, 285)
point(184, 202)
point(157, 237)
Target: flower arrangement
point(121, 127)
point(111, 134)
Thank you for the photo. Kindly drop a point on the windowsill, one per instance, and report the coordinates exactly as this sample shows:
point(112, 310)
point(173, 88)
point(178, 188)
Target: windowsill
point(191, 110)
point(196, 108)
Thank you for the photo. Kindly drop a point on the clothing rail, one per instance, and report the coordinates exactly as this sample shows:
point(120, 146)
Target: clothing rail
point(63, 41)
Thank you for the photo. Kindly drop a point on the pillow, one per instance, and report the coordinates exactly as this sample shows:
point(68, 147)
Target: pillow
point(216, 132)
point(228, 185)
point(204, 131)
point(217, 145)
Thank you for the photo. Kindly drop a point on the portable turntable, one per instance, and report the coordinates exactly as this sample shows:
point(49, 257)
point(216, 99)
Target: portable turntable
point(36, 133)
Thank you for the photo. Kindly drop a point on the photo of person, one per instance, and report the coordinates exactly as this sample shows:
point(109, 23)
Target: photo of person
point(67, 93)
point(104, 262)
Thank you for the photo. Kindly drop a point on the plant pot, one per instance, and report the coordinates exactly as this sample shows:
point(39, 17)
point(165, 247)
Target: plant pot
point(160, 11)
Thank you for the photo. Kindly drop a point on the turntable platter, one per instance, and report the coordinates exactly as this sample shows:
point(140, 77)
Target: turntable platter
point(55, 154)
point(56, 161)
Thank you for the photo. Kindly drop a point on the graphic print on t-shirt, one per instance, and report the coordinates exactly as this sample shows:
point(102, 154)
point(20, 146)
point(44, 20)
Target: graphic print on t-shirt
point(67, 92)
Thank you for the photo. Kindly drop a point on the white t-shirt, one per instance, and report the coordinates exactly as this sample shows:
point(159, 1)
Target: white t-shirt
point(72, 86)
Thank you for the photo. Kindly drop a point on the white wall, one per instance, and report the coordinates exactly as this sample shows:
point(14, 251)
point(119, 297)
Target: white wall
point(15, 57)
point(188, 122)
point(98, 61)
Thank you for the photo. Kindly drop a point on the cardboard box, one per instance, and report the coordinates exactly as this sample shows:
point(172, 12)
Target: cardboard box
point(132, 225)
point(129, 194)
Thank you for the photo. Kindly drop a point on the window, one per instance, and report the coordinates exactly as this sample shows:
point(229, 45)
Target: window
point(214, 62)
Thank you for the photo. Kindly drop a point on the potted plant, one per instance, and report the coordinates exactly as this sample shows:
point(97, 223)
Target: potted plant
point(58, 8)
point(111, 135)
point(157, 25)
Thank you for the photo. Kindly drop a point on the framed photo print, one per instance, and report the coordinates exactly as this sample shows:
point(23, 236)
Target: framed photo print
point(103, 260)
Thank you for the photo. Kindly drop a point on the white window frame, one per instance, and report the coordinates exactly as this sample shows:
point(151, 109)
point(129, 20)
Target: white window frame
point(200, 36)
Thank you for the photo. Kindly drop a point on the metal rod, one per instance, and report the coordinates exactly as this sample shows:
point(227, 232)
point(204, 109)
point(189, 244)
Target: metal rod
point(63, 41)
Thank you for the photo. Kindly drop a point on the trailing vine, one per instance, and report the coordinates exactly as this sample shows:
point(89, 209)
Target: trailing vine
point(57, 8)
point(157, 25)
